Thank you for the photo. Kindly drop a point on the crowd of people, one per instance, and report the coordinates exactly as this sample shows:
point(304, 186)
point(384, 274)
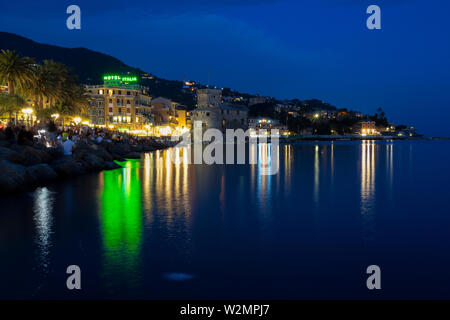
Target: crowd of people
point(66, 138)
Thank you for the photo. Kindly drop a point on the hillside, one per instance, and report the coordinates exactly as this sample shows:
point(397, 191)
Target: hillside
point(89, 66)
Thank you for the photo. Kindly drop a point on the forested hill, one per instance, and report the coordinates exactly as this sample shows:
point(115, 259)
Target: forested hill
point(89, 65)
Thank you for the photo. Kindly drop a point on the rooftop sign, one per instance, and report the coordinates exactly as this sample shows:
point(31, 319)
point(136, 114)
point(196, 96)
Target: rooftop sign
point(119, 78)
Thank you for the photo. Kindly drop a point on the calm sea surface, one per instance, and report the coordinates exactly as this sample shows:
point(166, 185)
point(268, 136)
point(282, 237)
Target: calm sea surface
point(161, 230)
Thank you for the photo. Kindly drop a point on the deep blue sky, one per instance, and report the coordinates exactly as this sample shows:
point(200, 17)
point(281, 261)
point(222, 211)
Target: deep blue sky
point(282, 48)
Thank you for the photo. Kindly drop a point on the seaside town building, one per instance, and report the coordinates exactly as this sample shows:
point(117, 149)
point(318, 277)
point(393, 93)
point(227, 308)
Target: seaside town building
point(258, 124)
point(162, 110)
point(367, 128)
point(208, 97)
point(168, 113)
point(120, 102)
point(4, 88)
point(215, 114)
point(257, 99)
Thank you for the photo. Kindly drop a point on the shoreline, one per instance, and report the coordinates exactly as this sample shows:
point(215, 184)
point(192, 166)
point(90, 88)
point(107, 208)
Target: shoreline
point(26, 167)
point(357, 138)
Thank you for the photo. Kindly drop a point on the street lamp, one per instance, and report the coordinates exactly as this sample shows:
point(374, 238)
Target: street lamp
point(77, 120)
point(27, 112)
point(148, 129)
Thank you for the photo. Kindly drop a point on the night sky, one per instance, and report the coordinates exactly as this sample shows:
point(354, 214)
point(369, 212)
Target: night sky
point(286, 49)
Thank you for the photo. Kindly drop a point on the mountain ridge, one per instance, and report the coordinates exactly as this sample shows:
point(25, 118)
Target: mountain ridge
point(89, 66)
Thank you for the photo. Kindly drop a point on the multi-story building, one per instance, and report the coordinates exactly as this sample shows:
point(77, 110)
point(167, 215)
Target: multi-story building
point(208, 97)
point(367, 128)
point(181, 117)
point(259, 124)
point(257, 100)
point(4, 88)
point(263, 123)
point(120, 102)
point(163, 110)
point(214, 114)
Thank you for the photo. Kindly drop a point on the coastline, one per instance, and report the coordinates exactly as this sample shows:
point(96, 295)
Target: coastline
point(26, 167)
point(355, 138)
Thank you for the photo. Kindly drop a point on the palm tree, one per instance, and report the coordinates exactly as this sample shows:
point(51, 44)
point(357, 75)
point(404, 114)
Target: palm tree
point(43, 88)
point(61, 77)
point(15, 70)
point(75, 102)
point(78, 98)
point(51, 81)
point(63, 110)
point(10, 104)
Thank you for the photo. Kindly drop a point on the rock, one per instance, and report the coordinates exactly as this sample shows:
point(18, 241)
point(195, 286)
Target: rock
point(92, 163)
point(44, 156)
point(40, 173)
point(117, 157)
point(148, 148)
point(101, 152)
point(79, 154)
point(32, 156)
point(111, 165)
point(4, 144)
point(137, 148)
point(119, 148)
point(55, 153)
point(12, 177)
point(12, 156)
point(67, 167)
point(39, 146)
point(133, 155)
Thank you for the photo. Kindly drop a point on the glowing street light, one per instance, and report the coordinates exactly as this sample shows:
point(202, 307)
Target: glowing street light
point(77, 120)
point(27, 112)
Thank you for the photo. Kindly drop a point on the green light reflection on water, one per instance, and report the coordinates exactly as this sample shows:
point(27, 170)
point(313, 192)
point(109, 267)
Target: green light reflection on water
point(121, 220)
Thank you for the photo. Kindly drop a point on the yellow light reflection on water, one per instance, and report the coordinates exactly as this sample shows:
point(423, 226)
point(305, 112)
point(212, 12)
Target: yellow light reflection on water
point(288, 160)
point(368, 187)
point(316, 174)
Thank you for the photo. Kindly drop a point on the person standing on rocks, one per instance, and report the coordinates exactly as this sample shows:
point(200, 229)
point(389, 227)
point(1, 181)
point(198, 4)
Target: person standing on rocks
point(68, 145)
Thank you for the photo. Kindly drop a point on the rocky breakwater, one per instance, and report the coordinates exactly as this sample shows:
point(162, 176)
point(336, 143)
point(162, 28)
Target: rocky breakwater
point(24, 168)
